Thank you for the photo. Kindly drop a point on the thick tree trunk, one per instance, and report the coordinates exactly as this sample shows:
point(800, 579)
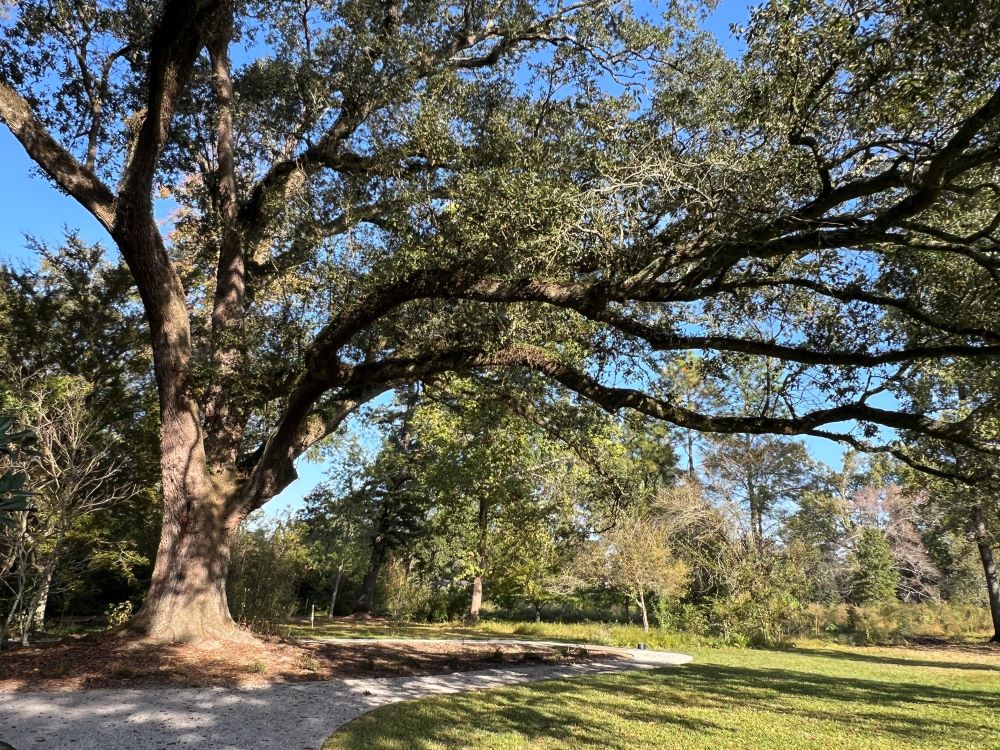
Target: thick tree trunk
point(366, 601)
point(983, 542)
point(186, 601)
point(336, 589)
point(187, 597)
point(472, 618)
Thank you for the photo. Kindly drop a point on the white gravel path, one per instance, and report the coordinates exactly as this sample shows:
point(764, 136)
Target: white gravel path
point(297, 716)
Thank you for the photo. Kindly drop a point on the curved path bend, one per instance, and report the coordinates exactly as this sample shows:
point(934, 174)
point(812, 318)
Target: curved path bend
point(293, 716)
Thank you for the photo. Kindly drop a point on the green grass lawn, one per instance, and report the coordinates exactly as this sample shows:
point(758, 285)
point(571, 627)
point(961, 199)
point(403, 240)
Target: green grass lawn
point(818, 696)
point(602, 634)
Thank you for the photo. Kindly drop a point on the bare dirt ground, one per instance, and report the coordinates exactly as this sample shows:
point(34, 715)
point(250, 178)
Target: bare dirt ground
point(110, 661)
point(952, 646)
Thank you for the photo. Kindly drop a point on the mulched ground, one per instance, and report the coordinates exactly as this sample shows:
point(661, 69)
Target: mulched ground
point(969, 646)
point(110, 661)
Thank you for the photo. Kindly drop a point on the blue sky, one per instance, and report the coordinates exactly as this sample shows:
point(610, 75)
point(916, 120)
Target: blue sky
point(30, 205)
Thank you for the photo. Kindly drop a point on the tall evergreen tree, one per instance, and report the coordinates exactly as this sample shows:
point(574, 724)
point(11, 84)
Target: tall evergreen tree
point(875, 577)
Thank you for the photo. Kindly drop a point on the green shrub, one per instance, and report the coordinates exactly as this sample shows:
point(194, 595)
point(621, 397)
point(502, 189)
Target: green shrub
point(678, 617)
point(256, 667)
point(406, 598)
point(268, 564)
point(891, 622)
point(760, 619)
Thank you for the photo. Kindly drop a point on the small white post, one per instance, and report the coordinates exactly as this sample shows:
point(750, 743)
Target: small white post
point(312, 617)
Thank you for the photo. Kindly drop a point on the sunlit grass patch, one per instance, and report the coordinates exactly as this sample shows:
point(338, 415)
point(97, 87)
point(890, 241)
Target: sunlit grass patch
point(816, 697)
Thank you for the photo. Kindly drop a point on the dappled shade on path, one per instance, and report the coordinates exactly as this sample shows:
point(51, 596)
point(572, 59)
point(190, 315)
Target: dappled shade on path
point(284, 716)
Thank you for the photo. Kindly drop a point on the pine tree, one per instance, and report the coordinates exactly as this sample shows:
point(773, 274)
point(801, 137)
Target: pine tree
point(875, 578)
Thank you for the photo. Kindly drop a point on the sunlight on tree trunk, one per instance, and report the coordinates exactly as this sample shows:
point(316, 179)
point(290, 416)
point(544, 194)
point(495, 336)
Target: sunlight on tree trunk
point(472, 618)
point(187, 597)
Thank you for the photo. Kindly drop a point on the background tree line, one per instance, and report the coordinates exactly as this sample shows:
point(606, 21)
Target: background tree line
point(470, 492)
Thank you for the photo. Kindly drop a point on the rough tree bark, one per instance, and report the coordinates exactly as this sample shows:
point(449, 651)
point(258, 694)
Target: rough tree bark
point(984, 541)
point(187, 600)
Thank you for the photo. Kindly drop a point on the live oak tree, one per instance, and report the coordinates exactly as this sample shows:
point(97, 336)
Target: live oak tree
point(365, 194)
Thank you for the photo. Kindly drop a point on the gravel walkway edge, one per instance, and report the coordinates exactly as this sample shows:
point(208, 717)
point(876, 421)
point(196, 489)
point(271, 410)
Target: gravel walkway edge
point(289, 716)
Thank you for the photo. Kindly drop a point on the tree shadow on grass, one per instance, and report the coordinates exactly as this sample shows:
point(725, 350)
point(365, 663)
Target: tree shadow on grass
point(903, 661)
point(703, 702)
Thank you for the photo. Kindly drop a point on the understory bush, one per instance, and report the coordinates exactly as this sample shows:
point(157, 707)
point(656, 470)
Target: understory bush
point(767, 624)
point(892, 622)
point(405, 599)
point(269, 563)
point(753, 619)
